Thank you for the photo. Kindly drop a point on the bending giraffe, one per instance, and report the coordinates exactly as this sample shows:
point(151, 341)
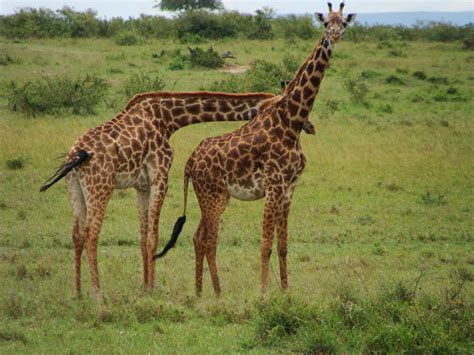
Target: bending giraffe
point(133, 150)
point(261, 159)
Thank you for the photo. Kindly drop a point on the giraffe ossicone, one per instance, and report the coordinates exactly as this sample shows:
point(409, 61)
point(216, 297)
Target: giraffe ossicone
point(261, 159)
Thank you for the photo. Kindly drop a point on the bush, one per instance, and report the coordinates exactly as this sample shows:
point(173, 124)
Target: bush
point(58, 94)
point(126, 39)
point(204, 24)
point(393, 79)
point(15, 164)
point(420, 75)
point(358, 89)
point(205, 58)
point(7, 59)
point(262, 26)
point(279, 318)
point(141, 82)
point(262, 76)
point(291, 27)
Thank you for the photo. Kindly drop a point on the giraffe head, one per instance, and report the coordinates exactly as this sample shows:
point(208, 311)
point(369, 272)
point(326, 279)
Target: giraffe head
point(335, 23)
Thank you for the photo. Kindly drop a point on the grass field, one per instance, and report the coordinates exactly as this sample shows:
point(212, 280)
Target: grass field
point(381, 227)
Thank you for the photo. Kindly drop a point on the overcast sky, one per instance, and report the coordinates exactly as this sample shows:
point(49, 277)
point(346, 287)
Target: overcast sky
point(124, 8)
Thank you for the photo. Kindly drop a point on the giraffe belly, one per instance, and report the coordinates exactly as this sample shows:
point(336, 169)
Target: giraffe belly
point(247, 193)
point(126, 180)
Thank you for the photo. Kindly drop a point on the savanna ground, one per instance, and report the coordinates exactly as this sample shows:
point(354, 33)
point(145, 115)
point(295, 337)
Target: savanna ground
point(380, 234)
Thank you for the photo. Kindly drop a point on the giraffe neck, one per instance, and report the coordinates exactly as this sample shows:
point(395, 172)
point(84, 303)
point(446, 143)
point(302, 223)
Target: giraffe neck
point(302, 91)
point(172, 111)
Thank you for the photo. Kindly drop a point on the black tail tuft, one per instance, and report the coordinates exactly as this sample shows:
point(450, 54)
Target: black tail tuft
point(81, 157)
point(178, 227)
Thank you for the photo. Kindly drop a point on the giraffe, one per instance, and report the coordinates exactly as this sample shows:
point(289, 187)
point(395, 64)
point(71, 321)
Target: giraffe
point(133, 150)
point(262, 159)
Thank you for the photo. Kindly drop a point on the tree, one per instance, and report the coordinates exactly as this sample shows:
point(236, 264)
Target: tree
point(186, 5)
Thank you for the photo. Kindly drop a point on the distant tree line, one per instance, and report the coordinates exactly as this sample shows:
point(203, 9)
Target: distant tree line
point(196, 25)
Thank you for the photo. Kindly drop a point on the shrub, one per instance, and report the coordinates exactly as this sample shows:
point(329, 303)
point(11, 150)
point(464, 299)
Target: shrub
point(262, 26)
point(278, 318)
point(204, 24)
point(262, 76)
point(192, 38)
point(386, 108)
point(57, 94)
point(393, 79)
point(141, 82)
point(126, 39)
point(205, 58)
point(358, 89)
point(438, 80)
point(420, 75)
point(430, 199)
point(290, 27)
point(15, 164)
point(469, 43)
point(178, 63)
point(7, 59)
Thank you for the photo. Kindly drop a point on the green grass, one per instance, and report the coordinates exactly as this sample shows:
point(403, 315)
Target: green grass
point(386, 197)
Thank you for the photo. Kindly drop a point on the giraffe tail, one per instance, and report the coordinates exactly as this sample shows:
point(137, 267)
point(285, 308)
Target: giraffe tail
point(80, 158)
point(178, 226)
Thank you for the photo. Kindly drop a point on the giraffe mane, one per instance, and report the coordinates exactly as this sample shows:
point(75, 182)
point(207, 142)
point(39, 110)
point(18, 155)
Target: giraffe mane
point(194, 94)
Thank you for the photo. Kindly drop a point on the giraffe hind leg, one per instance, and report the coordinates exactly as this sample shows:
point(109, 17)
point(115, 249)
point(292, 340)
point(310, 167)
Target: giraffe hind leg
point(78, 205)
point(213, 204)
point(143, 203)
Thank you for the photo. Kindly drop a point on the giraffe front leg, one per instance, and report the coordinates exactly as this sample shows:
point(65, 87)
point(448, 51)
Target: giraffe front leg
point(282, 235)
point(157, 196)
point(271, 212)
point(143, 203)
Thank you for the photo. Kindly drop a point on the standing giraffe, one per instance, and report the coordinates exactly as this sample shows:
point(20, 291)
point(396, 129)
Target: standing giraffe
point(133, 150)
point(261, 159)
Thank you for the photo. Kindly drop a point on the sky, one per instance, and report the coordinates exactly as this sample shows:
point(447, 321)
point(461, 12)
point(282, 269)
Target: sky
point(127, 8)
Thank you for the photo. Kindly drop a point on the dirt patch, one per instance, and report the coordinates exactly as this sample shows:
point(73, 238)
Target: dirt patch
point(235, 69)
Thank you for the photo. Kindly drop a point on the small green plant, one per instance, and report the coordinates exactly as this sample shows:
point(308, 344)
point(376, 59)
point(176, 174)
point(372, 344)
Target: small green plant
point(277, 318)
point(438, 80)
point(369, 74)
point(358, 89)
point(142, 82)
point(12, 336)
point(386, 108)
point(430, 199)
point(452, 91)
point(332, 105)
point(178, 63)
point(205, 58)
point(396, 53)
point(114, 71)
point(395, 80)
point(126, 39)
point(15, 163)
point(7, 59)
point(421, 75)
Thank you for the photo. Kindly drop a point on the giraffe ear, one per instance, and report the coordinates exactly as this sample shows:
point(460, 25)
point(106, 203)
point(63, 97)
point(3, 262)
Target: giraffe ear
point(320, 18)
point(350, 18)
